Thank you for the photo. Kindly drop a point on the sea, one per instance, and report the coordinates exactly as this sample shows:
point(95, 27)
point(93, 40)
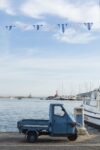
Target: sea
point(13, 110)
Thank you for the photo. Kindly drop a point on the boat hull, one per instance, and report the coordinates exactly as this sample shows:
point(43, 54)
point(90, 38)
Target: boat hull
point(92, 119)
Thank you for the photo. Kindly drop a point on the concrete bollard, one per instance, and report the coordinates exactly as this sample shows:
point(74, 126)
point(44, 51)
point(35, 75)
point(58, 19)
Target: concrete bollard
point(79, 117)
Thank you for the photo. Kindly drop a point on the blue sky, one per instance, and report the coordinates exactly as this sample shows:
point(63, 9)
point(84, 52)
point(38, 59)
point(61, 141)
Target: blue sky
point(40, 62)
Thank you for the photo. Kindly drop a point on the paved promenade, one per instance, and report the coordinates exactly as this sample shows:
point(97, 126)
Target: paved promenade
point(15, 141)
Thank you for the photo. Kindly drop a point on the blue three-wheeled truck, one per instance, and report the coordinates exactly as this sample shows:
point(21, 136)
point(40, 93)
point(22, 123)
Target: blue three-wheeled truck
point(60, 123)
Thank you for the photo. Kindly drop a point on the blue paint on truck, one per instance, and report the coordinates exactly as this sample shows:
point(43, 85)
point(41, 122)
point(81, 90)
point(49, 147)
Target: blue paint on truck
point(60, 123)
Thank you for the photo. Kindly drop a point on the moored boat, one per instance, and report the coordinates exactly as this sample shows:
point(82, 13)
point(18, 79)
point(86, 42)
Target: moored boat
point(92, 109)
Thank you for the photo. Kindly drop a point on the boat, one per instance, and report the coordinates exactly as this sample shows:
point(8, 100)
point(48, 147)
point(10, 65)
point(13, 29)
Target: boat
point(55, 97)
point(92, 109)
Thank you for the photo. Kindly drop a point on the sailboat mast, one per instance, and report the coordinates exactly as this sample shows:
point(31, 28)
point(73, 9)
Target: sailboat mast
point(62, 88)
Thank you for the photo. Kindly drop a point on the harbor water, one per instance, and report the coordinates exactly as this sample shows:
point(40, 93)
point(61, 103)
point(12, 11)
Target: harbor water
point(13, 110)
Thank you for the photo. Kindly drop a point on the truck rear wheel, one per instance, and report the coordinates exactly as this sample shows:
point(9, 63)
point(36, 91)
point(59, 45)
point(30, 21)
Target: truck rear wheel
point(31, 137)
point(72, 137)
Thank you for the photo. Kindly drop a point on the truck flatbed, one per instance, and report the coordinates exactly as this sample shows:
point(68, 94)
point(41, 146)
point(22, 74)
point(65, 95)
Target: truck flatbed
point(36, 124)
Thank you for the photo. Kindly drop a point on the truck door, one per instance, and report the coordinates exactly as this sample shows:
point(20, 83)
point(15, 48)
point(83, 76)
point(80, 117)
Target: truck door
point(59, 121)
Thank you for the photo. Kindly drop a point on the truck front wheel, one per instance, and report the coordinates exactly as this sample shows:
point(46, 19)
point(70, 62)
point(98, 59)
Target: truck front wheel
point(31, 137)
point(72, 137)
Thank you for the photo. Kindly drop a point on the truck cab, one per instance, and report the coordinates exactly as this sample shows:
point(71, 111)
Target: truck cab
point(61, 122)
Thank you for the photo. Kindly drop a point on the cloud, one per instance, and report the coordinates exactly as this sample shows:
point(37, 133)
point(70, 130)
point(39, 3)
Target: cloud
point(80, 11)
point(75, 37)
point(44, 73)
point(15, 63)
point(19, 73)
point(23, 26)
point(5, 5)
point(76, 11)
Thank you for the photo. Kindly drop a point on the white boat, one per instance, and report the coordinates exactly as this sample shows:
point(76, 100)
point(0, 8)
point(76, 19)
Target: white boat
point(92, 109)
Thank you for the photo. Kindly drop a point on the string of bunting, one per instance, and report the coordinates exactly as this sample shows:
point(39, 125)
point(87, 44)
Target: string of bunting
point(61, 27)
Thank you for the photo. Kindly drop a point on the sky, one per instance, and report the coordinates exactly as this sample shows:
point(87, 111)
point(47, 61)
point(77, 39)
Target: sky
point(45, 60)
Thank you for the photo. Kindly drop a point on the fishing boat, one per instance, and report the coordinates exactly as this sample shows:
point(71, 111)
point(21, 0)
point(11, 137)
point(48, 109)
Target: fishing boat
point(92, 109)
